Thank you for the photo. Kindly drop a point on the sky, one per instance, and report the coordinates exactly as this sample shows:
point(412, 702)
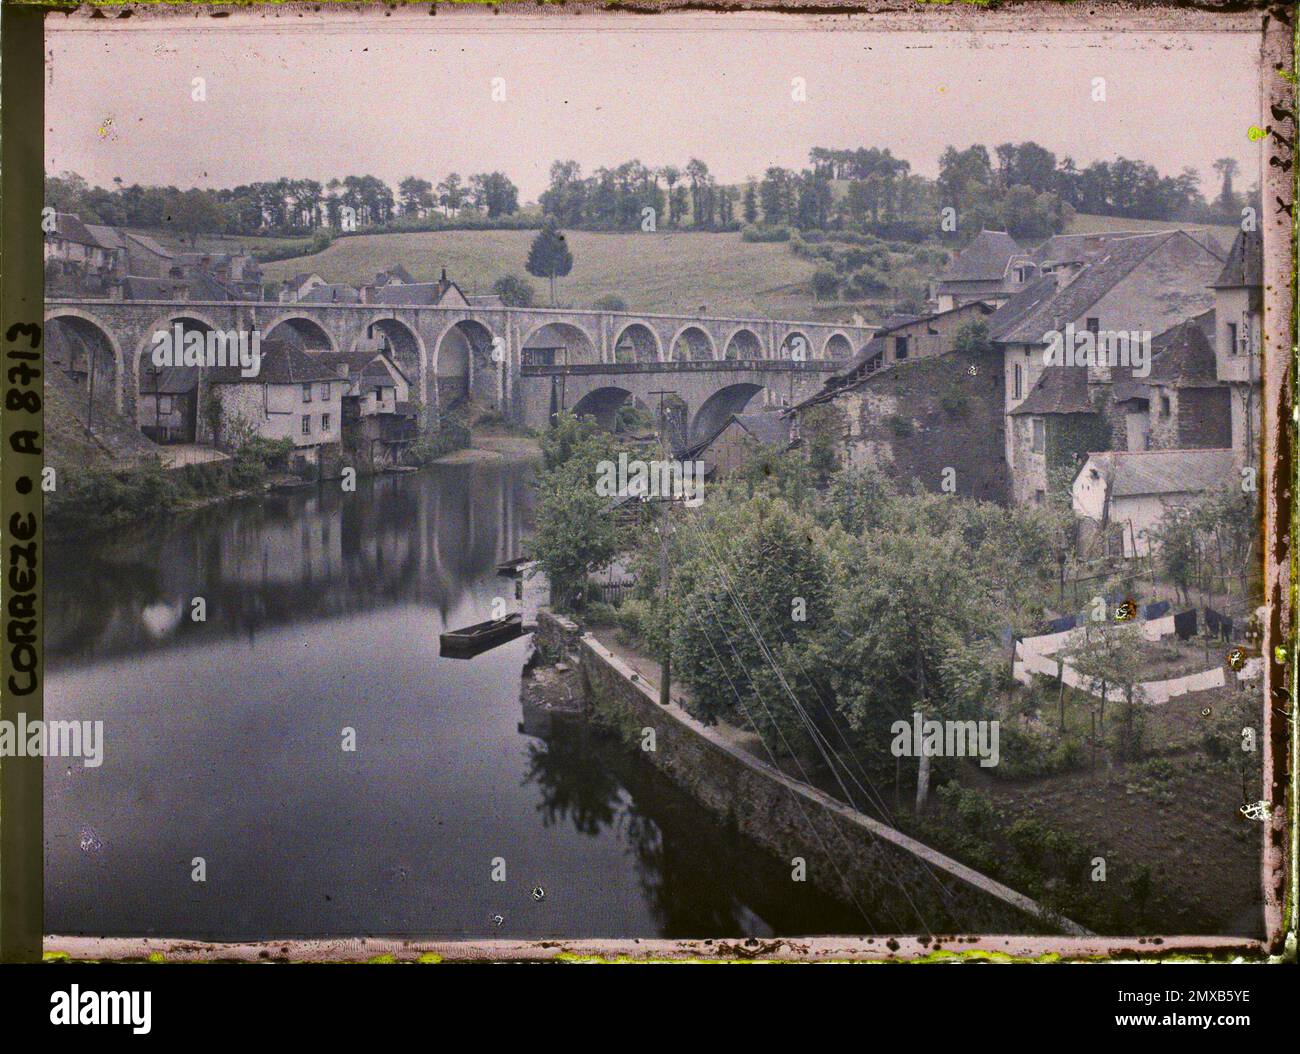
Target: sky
point(334, 95)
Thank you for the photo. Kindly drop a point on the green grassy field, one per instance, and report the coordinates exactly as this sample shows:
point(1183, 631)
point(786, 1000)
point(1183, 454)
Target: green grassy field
point(1083, 223)
point(667, 272)
point(670, 272)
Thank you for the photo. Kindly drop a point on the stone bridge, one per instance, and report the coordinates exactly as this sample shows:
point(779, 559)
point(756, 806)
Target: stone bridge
point(492, 354)
point(711, 391)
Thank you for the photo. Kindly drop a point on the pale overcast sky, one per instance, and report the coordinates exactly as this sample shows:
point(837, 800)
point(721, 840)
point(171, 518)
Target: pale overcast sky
point(316, 97)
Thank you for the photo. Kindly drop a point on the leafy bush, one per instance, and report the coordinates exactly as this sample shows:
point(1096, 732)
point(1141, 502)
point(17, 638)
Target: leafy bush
point(764, 234)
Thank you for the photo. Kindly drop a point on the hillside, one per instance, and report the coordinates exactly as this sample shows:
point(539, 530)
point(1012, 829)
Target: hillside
point(1083, 223)
point(667, 271)
point(116, 442)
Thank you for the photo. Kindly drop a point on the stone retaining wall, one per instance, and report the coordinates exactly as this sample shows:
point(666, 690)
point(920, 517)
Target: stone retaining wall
point(902, 885)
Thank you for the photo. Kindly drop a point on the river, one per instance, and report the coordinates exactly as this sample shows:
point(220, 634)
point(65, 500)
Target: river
point(224, 742)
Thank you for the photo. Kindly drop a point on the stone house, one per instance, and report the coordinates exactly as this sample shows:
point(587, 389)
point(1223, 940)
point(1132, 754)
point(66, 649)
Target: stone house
point(1120, 496)
point(1187, 406)
point(299, 285)
point(1238, 328)
point(168, 402)
point(913, 337)
point(1136, 284)
point(442, 293)
point(981, 271)
point(79, 257)
point(293, 396)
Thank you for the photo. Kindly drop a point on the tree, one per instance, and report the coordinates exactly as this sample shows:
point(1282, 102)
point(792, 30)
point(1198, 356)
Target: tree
point(749, 593)
point(825, 283)
point(549, 256)
point(451, 194)
point(1111, 659)
point(749, 208)
point(514, 291)
point(910, 606)
point(195, 212)
point(1227, 168)
point(416, 195)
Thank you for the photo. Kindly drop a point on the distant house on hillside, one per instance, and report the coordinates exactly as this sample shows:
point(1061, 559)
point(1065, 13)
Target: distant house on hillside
point(80, 257)
point(981, 271)
point(298, 286)
point(442, 293)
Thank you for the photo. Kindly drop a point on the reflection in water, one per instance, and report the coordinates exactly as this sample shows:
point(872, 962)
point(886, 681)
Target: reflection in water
point(224, 742)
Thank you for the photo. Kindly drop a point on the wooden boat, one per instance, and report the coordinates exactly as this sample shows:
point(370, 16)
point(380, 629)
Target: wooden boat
point(473, 640)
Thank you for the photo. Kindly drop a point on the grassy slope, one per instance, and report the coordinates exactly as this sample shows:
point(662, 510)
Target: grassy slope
point(1087, 224)
point(668, 272)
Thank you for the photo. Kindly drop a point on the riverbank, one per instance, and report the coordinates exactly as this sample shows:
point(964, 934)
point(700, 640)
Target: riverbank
point(842, 851)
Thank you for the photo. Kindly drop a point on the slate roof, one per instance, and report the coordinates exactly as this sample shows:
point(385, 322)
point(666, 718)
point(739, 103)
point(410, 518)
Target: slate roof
point(108, 237)
point(335, 293)
point(984, 259)
point(1183, 355)
point(771, 428)
point(1058, 390)
point(1145, 472)
point(282, 363)
point(151, 244)
point(355, 361)
point(68, 225)
point(1098, 277)
point(417, 293)
point(1245, 266)
point(169, 380)
point(140, 287)
point(1021, 305)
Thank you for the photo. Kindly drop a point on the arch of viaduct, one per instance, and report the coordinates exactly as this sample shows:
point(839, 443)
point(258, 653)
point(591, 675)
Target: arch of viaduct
point(448, 351)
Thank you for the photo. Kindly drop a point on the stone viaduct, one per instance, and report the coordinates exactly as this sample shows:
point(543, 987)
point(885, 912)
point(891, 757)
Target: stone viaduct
point(524, 362)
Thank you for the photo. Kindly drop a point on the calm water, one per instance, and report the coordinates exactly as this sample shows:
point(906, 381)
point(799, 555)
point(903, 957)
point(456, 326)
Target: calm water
point(223, 741)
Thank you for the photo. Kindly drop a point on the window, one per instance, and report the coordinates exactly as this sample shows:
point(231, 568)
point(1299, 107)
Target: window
point(164, 404)
point(324, 392)
point(306, 424)
point(1018, 385)
point(1040, 435)
point(1039, 496)
point(900, 347)
point(1232, 338)
point(325, 422)
point(306, 393)
point(1093, 325)
point(1164, 406)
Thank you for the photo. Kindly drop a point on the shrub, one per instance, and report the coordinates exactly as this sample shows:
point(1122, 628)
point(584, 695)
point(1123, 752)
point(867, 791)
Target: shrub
point(764, 234)
point(898, 424)
point(610, 302)
point(514, 291)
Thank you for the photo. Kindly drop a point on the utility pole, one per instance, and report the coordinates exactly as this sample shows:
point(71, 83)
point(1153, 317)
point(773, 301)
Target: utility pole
point(665, 502)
